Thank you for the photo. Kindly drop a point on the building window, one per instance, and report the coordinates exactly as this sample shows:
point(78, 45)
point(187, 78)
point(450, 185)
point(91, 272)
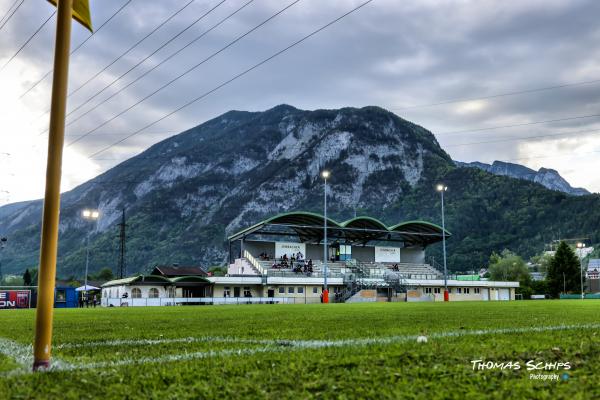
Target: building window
point(476, 290)
point(61, 295)
point(436, 290)
point(136, 293)
point(226, 291)
point(315, 290)
point(153, 293)
point(291, 290)
point(281, 290)
point(458, 290)
point(467, 290)
point(427, 290)
point(171, 292)
point(300, 290)
point(247, 292)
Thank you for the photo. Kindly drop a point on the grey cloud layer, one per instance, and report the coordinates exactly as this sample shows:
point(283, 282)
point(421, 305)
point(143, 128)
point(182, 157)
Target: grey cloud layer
point(392, 54)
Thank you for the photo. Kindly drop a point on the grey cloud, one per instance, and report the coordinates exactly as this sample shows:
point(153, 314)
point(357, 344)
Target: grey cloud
point(392, 54)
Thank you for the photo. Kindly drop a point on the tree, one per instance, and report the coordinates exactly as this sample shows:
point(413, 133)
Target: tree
point(218, 271)
point(563, 271)
point(27, 278)
point(541, 262)
point(105, 274)
point(507, 266)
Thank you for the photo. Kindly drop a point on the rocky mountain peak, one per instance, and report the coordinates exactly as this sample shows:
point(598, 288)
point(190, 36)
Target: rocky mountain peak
point(548, 178)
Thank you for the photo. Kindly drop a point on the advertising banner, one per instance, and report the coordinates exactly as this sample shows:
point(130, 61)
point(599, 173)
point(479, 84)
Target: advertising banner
point(14, 299)
point(290, 249)
point(387, 254)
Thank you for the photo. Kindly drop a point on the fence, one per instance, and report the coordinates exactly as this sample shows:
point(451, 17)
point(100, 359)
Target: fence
point(181, 301)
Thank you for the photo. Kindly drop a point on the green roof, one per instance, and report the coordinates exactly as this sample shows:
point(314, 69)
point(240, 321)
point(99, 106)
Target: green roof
point(308, 226)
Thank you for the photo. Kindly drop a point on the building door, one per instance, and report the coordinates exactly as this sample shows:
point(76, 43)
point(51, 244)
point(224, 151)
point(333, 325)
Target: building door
point(271, 293)
point(486, 294)
point(504, 294)
point(236, 292)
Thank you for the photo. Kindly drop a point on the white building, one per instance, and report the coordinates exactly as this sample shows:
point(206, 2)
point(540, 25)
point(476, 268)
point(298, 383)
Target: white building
point(280, 260)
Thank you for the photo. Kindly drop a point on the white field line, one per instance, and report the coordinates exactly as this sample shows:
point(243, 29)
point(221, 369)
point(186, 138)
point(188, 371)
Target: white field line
point(23, 356)
point(293, 345)
point(150, 342)
point(340, 342)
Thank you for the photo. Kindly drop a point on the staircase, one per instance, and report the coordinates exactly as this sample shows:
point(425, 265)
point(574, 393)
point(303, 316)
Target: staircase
point(370, 276)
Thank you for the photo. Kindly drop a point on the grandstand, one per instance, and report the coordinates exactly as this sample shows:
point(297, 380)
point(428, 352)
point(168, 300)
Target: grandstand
point(280, 260)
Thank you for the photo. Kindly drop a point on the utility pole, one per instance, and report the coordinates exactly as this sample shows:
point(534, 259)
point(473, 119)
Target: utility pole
point(122, 238)
point(3, 241)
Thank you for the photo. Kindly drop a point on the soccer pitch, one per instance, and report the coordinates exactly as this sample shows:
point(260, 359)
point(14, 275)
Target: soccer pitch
point(311, 351)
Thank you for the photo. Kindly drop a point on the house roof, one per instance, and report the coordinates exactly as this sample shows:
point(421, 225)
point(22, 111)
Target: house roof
point(154, 280)
point(172, 271)
point(309, 227)
point(141, 279)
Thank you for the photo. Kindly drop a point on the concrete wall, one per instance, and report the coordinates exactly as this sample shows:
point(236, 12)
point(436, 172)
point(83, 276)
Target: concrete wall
point(363, 254)
point(415, 255)
point(255, 290)
point(118, 291)
point(315, 252)
point(256, 247)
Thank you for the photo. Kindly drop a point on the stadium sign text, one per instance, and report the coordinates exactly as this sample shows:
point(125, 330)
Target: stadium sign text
point(289, 248)
point(14, 299)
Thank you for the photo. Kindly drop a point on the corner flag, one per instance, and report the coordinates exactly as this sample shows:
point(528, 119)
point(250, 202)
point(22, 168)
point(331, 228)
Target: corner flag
point(81, 12)
point(67, 9)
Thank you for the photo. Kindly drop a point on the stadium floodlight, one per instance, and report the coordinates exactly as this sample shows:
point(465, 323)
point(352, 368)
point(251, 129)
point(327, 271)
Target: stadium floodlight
point(442, 188)
point(325, 174)
point(580, 247)
point(91, 215)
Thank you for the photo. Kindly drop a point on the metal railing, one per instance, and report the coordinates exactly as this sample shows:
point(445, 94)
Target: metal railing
point(182, 301)
point(291, 274)
point(254, 262)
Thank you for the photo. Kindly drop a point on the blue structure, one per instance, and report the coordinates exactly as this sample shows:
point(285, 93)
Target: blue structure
point(65, 297)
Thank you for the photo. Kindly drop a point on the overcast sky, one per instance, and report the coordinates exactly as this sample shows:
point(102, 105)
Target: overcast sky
point(405, 56)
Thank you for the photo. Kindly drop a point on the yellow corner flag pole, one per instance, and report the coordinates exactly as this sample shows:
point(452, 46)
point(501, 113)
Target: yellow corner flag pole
point(49, 241)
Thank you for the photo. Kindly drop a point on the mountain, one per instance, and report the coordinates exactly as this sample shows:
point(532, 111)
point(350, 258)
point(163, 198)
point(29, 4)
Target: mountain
point(546, 177)
point(186, 194)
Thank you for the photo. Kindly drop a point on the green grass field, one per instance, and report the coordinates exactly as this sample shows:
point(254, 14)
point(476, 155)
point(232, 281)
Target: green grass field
point(308, 351)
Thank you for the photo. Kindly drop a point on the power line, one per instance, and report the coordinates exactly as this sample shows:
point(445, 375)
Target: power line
point(163, 23)
point(110, 133)
point(494, 96)
point(11, 15)
point(47, 74)
point(142, 61)
point(186, 72)
point(518, 125)
point(27, 41)
point(8, 11)
point(519, 139)
point(124, 53)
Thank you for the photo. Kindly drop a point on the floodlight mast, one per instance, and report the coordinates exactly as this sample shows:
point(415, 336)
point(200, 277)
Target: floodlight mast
point(90, 215)
point(325, 174)
point(580, 247)
point(442, 188)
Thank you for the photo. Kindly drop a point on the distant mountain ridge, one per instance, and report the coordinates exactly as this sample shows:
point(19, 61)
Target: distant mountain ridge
point(184, 195)
point(546, 177)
